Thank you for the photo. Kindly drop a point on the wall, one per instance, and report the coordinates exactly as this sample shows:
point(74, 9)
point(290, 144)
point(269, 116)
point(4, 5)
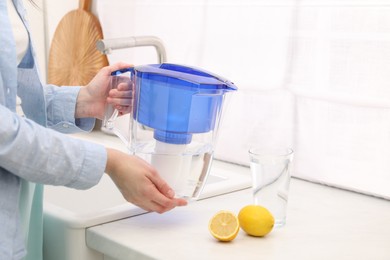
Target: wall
point(311, 74)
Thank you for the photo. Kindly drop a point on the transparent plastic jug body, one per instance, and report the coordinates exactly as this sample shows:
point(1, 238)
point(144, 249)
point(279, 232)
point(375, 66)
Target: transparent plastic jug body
point(174, 121)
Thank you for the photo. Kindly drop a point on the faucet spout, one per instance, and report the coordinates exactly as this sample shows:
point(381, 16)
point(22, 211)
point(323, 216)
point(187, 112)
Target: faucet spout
point(106, 46)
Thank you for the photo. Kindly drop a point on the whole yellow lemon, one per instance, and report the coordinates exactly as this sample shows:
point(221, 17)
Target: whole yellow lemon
point(256, 220)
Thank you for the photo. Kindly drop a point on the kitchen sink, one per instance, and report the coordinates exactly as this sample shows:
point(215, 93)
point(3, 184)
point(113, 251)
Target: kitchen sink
point(68, 212)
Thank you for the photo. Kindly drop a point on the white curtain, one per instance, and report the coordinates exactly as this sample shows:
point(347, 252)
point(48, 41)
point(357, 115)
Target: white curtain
point(313, 75)
point(340, 75)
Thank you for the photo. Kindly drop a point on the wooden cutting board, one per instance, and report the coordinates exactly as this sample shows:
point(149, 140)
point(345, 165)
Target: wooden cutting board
point(73, 58)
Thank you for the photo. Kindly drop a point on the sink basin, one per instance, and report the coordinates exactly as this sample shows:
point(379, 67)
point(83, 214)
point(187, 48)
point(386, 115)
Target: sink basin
point(68, 212)
point(104, 203)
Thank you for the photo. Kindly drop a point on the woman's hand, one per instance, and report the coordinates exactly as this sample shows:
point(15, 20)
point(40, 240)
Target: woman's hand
point(92, 98)
point(121, 94)
point(140, 183)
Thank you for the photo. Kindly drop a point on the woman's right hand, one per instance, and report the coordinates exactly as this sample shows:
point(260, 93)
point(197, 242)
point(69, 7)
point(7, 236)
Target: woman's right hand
point(121, 96)
point(140, 183)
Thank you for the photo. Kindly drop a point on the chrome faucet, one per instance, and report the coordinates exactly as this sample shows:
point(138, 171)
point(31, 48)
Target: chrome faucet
point(106, 46)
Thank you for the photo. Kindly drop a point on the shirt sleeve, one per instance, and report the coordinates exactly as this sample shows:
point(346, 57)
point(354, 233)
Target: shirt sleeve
point(60, 107)
point(42, 155)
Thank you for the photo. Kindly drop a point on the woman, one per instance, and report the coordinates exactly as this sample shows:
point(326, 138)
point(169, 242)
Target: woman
point(33, 151)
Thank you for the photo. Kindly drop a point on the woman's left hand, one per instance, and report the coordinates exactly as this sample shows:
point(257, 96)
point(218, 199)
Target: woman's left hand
point(92, 98)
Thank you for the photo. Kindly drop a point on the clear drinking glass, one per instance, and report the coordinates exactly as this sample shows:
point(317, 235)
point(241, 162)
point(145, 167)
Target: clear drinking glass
point(270, 167)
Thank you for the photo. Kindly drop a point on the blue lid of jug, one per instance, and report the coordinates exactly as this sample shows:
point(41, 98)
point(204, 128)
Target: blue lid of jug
point(203, 79)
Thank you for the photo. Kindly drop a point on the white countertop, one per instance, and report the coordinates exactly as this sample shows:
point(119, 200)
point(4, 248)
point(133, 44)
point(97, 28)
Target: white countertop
point(79, 208)
point(322, 223)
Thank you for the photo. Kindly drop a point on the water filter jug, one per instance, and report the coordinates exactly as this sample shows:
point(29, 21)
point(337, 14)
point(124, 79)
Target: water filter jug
point(176, 112)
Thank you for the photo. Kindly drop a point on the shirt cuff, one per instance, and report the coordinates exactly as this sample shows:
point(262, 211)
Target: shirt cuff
point(61, 116)
point(93, 166)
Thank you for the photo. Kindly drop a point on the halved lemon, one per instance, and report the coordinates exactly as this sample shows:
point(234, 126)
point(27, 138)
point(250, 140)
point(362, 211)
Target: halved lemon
point(224, 226)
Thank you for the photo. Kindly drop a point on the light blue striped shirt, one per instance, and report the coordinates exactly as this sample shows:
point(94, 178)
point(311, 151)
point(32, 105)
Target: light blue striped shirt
point(32, 149)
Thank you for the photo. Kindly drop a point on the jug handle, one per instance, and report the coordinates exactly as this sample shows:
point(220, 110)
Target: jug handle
point(108, 121)
point(115, 114)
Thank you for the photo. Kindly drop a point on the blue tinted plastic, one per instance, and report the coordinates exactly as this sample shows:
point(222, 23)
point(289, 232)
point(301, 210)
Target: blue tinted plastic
point(178, 101)
point(202, 78)
point(172, 137)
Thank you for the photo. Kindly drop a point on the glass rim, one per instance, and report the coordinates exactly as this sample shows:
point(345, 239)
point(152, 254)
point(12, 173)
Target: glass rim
point(273, 151)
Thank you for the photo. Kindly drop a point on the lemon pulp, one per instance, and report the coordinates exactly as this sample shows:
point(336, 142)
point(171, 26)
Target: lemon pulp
point(224, 226)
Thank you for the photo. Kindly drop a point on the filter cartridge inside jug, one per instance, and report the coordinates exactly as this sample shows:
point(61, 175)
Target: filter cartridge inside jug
point(174, 166)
